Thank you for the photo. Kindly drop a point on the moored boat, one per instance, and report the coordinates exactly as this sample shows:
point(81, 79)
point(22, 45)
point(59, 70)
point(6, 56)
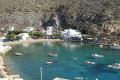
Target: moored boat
point(88, 62)
point(18, 54)
point(50, 54)
point(115, 66)
point(115, 46)
point(48, 62)
point(96, 55)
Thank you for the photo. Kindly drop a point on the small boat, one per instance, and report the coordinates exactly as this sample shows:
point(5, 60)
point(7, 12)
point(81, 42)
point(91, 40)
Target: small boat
point(48, 62)
point(78, 78)
point(101, 46)
point(115, 46)
point(88, 62)
point(115, 66)
point(18, 54)
point(96, 55)
point(50, 54)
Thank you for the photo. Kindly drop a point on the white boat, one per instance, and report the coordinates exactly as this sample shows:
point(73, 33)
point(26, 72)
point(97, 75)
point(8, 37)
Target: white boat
point(115, 46)
point(18, 54)
point(88, 62)
point(101, 46)
point(96, 55)
point(115, 66)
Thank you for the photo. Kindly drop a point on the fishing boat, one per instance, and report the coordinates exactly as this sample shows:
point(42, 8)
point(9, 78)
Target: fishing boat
point(115, 46)
point(88, 62)
point(50, 54)
point(48, 62)
point(18, 54)
point(96, 55)
point(115, 66)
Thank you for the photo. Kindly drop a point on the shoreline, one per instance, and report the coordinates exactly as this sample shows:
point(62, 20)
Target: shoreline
point(31, 41)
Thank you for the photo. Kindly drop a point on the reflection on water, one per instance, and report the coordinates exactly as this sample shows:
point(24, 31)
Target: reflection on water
point(71, 45)
point(50, 44)
point(26, 45)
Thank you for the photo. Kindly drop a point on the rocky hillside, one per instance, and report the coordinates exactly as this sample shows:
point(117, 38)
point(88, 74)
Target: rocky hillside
point(95, 17)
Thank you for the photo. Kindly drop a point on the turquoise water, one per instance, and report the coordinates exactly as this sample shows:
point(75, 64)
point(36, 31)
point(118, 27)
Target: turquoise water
point(68, 64)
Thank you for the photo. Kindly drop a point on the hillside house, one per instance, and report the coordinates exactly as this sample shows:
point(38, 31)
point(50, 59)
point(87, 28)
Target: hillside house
point(11, 28)
point(49, 31)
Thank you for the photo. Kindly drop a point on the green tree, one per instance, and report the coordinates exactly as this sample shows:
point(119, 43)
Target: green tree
point(57, 35)
point(18, 37)
point(38, 34)
point(10, 37)
point(31, 33)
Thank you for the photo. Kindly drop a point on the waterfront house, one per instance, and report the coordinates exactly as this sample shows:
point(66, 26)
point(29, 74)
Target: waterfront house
point(28, 29)
point(24, 36)
point(48, 32)
point(71, 34)
point(11, 28)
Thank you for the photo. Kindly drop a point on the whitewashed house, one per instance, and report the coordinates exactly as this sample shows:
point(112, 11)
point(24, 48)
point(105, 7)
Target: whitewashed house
point(49, 31)
point(28, 29)
point(71, 34)
point(11, 28)
point(24, 36)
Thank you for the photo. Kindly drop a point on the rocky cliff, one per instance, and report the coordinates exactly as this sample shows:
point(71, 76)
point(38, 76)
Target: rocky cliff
point(95, 17)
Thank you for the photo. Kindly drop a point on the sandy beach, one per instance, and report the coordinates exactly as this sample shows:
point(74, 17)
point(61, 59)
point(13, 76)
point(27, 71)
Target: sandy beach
point(30, 41)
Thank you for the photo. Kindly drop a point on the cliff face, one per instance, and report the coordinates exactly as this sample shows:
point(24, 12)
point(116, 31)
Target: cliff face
point(90, 16)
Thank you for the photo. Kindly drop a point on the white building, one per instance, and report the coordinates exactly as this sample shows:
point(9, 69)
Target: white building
point(71, 34)
point(11, 28)
point(28, 29)
point(24, 36)
point(49, 31)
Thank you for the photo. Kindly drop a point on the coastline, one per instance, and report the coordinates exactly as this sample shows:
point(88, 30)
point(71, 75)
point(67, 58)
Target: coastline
point(4, 72)
point(30, 41)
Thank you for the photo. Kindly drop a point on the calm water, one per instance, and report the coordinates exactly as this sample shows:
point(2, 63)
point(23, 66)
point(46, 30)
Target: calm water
point(68, 64)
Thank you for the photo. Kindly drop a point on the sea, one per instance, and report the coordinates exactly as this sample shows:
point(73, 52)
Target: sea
point(68, 64)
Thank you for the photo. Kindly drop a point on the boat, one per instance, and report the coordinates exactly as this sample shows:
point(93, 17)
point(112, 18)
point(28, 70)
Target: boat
point(48, 62)
point(96, 55)
point(88, 62)
point(50, 54)
point(115, 46)
point(115, 66)
point(101, 46)
point(18, 54)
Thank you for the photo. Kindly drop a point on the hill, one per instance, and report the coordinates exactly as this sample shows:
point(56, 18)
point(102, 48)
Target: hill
point(99, 18)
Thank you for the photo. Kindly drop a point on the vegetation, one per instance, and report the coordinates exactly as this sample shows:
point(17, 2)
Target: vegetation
point(88, 36)
point(31, 33)
point(16, 32)
point(18, 37)
point(10, 37)
point(57, 35)
point(38, 35)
